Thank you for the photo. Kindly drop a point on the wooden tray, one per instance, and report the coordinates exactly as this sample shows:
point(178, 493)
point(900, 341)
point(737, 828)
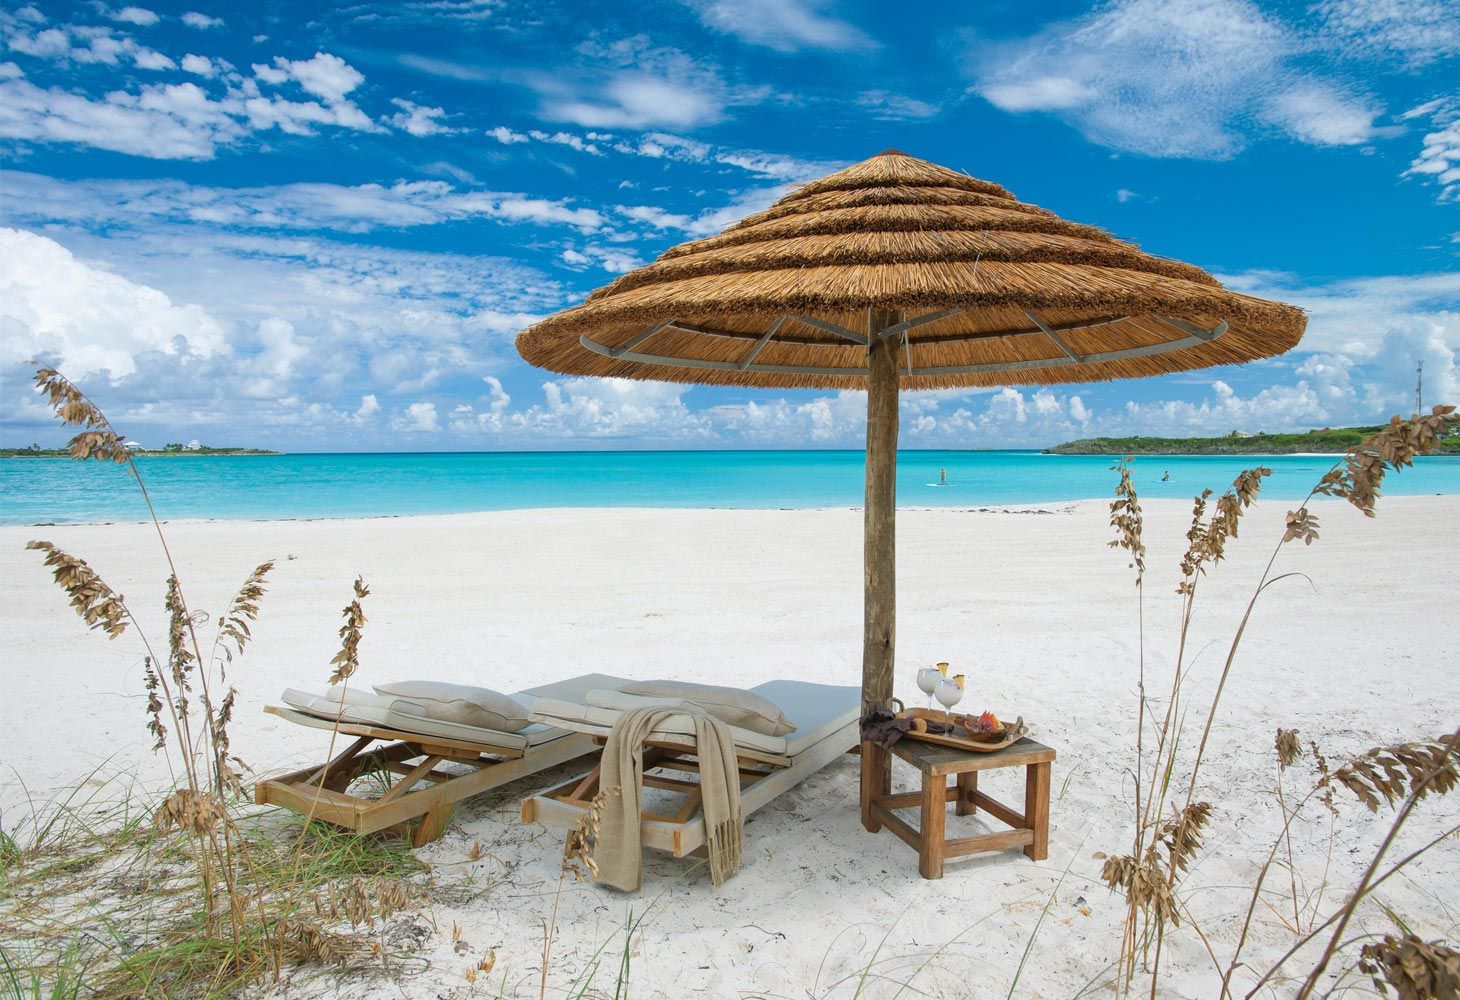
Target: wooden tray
point(1012, 734)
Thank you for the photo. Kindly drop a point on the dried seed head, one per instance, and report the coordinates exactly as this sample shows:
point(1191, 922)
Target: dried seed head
point(1302, 524)
point(1362, 471)
point(1182, 835)
point(1207, 540)
point(233, 627)
point(306, 943)
point(97, 604)
point(97, 439)
point(187, 809)
point(1146, 884)
point(347, 660)
point(180, 659)
point(1415, 969)
point(1288, 748)
point(154, 703)
point(582, 839)
point(1126, 519)
point(1395, 772)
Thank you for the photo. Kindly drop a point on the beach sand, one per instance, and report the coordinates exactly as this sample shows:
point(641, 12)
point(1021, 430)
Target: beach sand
point(1033, 606)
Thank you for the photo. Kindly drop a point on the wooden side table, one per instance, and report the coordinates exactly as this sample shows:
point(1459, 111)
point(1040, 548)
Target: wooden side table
point(1030, 830)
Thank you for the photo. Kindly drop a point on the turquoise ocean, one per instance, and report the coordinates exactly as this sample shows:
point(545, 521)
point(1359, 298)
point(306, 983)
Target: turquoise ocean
point(41, 490)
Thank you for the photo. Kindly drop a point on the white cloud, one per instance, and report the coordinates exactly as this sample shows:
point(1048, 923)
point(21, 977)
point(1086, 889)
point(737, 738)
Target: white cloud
point(89, 320)
point(485, 417)
point(611, 408)
point(1321, 115)
point(198, 65)
point(145, 58)
point(1439, 159)
point(506, 136)
point(291, 206)
point(324, 75)
point(888, 106)
point(1171, 78)
point(1125, 194)
point(567, 139)
point(783, 25)
point(202, 22)
point(419, 120)
point(369, 407)
point(615, 260)
point(172, 121)
point(417, 418)
point(638, 85)
point(1417, 32)
point(139, 16)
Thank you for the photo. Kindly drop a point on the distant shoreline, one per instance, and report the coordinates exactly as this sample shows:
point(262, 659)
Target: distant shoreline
point(1328, 441)
point(200, 453)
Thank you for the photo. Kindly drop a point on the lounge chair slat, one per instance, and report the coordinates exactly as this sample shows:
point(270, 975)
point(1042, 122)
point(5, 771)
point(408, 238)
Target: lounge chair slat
point(490, 767)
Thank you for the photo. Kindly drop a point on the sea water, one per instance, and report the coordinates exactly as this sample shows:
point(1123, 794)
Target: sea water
point(44, 490)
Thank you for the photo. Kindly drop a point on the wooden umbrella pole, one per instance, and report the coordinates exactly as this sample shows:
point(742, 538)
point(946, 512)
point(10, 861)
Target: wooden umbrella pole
point(879, 550)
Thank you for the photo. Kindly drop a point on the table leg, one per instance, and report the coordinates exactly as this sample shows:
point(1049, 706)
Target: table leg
point(876, 781)
point(1036, 809)
point(930, 830)
point(967, 785)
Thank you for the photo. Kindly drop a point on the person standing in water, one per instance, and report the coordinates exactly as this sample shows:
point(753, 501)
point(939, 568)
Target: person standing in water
point(1166, 476)
point(942, 477)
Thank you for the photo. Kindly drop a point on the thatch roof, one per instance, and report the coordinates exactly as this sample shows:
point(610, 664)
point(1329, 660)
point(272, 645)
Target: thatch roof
point(993, 291)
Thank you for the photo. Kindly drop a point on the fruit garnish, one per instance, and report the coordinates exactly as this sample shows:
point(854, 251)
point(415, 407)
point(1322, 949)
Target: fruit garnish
point(960, 680)
point(943, 669)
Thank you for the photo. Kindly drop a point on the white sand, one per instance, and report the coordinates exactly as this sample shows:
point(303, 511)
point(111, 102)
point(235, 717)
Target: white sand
point(1033, 606)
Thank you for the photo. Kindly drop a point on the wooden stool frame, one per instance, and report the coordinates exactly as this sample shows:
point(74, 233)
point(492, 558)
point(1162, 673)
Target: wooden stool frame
point(1029, 830)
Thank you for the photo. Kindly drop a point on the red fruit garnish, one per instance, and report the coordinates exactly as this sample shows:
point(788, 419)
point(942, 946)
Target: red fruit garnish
point(988, 722)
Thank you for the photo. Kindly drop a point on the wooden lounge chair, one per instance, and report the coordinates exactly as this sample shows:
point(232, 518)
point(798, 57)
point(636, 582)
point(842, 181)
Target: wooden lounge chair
point(826, 719)
point(390, 736)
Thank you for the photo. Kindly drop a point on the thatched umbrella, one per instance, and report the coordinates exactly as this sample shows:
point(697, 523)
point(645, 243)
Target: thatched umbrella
point(896, 272)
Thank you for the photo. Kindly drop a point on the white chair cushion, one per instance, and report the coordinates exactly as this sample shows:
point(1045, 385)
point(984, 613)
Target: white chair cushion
point(621, 702)
point(736, 706)
point(462, 704)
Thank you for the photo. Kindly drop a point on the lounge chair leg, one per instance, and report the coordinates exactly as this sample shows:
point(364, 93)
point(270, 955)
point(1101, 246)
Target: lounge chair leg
point(433, 824)
point(967, 786)
point(876, 782)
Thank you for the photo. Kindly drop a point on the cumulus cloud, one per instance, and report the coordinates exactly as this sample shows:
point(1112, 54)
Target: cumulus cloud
point(86, 319)
point(202, 22)
point(140, 16)
point(418, 119)
point(1171, 78)
point(417, 418)
point(181, 120)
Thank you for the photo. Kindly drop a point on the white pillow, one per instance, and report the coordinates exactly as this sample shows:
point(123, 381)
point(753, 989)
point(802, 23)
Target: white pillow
point(736, 706)
point(462, 704)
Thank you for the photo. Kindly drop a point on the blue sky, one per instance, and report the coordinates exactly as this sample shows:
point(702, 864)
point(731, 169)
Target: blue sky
point(320, 228)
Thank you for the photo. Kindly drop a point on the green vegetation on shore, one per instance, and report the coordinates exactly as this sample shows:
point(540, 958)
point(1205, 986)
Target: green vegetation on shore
point(169, 450)
point(1329, 440)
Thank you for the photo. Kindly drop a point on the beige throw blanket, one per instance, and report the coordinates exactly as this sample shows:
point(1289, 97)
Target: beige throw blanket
point(617, 854)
